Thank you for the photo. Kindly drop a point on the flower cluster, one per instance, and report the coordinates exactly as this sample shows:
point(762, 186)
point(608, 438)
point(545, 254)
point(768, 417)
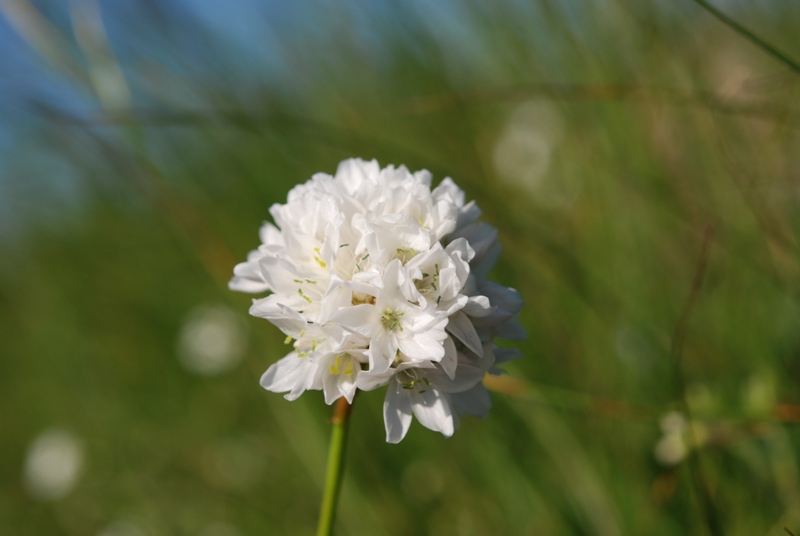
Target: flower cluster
point(377, 280)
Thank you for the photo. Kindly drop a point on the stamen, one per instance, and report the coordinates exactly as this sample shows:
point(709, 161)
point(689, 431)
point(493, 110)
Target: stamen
point(391, 319)
point(414, 382)
point(405, 254)
point(335, 368)
point(320, 261)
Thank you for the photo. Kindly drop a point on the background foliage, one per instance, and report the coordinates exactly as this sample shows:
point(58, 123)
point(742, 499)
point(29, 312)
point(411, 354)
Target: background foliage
point(641, 161)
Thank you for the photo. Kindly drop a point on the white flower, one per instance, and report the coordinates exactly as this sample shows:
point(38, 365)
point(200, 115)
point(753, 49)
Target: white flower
point(428, 394)
point(212, 340)
point(53, 464)
point(377, 280)
point(398, 329)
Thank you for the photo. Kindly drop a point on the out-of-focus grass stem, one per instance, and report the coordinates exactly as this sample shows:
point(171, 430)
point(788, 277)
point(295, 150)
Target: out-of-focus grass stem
point(708, 509)
point(769, 49)
point(442, 102)
point(105, 73)
point(45, 38)
point(114, 96)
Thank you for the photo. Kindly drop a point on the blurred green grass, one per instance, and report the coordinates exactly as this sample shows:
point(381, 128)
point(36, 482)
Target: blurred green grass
point(602, 195)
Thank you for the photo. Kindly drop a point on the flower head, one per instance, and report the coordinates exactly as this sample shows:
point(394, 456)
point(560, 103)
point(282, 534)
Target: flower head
point(377, 280)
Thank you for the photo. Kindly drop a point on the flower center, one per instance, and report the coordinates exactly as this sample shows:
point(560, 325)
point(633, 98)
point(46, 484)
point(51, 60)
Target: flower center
point(342, 364)
point(360, 298)
point(413, 382)
point(404, 254)
point(391, 319)
point(304, 346)
point(429, 282)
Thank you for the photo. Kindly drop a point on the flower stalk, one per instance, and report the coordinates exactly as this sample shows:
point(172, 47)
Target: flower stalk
point(335, 471)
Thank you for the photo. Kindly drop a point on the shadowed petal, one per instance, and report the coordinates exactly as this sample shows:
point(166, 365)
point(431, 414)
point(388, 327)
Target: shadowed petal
point(463, 330)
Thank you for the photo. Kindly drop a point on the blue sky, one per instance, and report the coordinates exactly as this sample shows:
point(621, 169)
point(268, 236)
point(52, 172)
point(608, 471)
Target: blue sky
point(240, 44)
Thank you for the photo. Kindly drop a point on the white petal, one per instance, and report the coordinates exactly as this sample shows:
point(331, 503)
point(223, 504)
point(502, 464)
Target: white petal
point(362, 319)
point(482, 267)
point(289, 374)
point(390, 235)
point(382, 351)
point(450, 359)
point(270, 235)
point(247, 276)
point(466, 377)
point(502, 297)
point(280, 274)
point(367, 381)
point(354, 171)
point(396, 413)
point(481, 237)
point(450, 192)
point(281, 316)
point(460, 247)
point(338, 297)
point(463, 330)
point(348, 390)
point(393, 278)
point(330, 388)
point(426, 346)
point(246, 284)
point(432, 410)
point(479, 306)
point(468, 214)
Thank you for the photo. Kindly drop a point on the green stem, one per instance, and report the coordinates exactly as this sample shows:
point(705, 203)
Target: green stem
point(333, 478)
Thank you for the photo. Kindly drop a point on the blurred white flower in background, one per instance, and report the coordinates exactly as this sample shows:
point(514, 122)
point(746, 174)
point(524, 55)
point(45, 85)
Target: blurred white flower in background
point(523, 149)
point(672, 448)
point(679, 437)
point(212, 340)
point(53, 464)
point(378, 280)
